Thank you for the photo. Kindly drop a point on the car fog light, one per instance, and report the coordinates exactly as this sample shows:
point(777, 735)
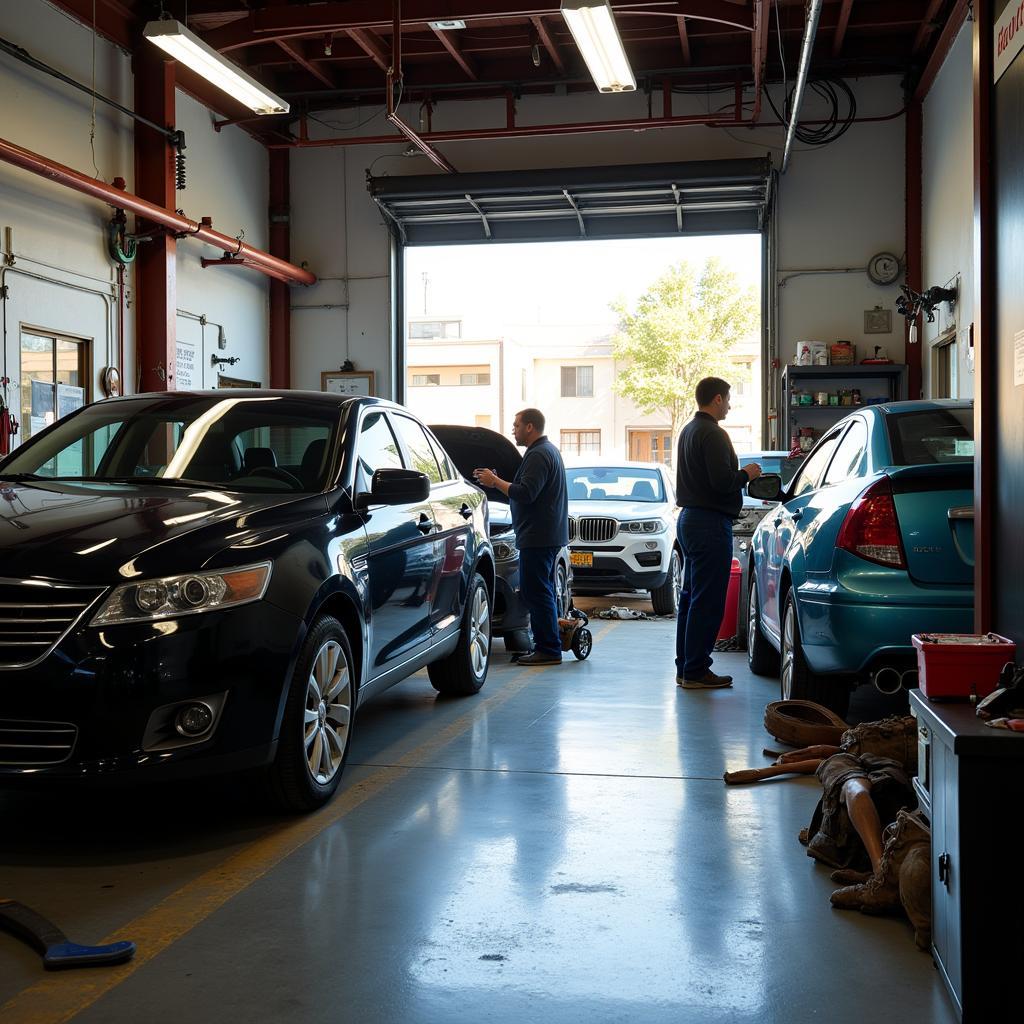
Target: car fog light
point(193, 720)
point(651, 545)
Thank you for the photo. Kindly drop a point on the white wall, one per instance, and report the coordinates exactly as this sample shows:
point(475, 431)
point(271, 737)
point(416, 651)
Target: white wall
point(948, 206)
point(838, 205)
point(59, 235)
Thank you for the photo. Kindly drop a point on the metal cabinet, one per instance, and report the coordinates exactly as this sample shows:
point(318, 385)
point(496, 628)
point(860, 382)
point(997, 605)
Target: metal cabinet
point(970, 780)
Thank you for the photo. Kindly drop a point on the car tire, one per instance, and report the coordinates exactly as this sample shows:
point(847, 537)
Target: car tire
point(463, 672)
point(665, 598)
point(762, 658)
point(796, 680)
point(316, 728)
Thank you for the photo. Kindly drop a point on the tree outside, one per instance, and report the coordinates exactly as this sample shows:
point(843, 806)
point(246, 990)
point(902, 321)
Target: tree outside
point(681, 330)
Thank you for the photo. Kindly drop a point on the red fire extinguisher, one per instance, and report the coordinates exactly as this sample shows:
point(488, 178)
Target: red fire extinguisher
point(8, 424)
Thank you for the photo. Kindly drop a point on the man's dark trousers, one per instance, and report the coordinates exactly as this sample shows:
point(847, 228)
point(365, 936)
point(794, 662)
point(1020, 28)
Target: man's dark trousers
point(537, 589)
point(705, 537)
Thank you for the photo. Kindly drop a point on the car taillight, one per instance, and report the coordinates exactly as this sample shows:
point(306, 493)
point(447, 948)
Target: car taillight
point(871, 529)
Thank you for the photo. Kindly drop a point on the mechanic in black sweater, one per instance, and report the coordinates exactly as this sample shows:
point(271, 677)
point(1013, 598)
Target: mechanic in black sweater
point(540, 516)
point(709, 491)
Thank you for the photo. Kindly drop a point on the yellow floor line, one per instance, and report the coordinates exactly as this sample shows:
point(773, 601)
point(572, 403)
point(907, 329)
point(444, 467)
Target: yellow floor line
point(59, 997)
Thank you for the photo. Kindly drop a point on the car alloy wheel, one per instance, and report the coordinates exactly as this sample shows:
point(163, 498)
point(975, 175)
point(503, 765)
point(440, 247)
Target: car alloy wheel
point(562, 598)
point(788, 652)
point(328, 712)
point(479, 632)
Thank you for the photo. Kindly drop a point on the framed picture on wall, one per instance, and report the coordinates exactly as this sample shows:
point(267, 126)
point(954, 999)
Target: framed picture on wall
point(347, 382)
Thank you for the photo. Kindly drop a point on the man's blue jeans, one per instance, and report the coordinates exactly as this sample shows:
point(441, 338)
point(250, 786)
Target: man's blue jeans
point(537, 589)
point(705, 538)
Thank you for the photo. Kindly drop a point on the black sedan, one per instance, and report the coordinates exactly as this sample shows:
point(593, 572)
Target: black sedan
point(203, 582)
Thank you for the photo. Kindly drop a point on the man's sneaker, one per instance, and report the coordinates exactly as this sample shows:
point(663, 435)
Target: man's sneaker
point(540, 658)
point(708, 681)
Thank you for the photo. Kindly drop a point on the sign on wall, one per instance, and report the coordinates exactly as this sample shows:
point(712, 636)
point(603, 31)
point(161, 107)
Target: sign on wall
point(1009, 37)
point(185, 370)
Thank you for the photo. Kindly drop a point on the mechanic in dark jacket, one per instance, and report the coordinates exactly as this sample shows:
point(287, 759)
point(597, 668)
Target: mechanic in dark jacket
point(540, 517)
point(709, 490)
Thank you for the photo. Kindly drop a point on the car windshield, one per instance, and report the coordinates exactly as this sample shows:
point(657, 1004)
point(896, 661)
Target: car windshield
point(265, 443)
point(932, 436)
point(614, 483)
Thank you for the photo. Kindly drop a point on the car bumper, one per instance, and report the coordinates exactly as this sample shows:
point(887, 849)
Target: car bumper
point(510, 613)
point(848, 627)
point(612, 572)
point(110, 685)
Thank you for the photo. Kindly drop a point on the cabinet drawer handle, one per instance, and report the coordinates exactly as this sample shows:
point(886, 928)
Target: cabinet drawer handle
point(945, 865)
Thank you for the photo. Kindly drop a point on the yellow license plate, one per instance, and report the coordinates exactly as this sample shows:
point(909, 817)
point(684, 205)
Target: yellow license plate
point(582, 558)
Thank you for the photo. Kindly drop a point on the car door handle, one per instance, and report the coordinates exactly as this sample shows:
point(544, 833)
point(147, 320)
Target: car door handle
point(425, 524)
point(466, 512)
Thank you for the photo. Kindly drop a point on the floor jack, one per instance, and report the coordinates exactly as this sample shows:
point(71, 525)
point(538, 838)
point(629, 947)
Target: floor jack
point(58, 952)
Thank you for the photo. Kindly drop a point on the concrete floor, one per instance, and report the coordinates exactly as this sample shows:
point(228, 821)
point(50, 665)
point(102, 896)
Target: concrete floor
point(559, 848)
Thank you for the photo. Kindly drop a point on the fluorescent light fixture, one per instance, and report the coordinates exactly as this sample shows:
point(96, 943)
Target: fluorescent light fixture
point(447, 26)
point(593, 27)
point(187, 48)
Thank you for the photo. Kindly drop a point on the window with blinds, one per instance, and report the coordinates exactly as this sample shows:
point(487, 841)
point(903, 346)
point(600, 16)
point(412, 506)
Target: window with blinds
point(577, 382)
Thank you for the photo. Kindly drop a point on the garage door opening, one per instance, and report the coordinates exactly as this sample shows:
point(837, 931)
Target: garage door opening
point(606, 337)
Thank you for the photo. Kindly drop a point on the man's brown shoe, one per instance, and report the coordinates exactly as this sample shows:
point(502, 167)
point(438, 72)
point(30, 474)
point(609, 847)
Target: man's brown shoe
point(708, 681)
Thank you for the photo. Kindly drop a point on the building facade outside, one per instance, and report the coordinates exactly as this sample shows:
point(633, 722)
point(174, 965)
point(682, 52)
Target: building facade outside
point(566, 374)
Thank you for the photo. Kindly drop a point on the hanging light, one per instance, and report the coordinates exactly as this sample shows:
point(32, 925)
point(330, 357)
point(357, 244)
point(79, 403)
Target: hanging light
point(188, 49)
point(597, 37)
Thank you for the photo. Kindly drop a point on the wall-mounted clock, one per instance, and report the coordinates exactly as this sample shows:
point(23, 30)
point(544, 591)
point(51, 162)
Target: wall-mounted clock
point(884, 268)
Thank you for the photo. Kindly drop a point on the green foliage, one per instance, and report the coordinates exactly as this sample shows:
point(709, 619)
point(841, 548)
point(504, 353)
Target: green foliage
point(681, 330)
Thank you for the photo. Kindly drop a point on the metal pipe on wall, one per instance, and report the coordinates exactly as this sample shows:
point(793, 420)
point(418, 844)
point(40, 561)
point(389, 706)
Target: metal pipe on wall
point(813, 16)
point(178, 223)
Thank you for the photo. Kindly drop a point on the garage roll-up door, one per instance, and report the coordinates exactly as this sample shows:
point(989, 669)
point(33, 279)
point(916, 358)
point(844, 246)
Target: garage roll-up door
point(699, 198)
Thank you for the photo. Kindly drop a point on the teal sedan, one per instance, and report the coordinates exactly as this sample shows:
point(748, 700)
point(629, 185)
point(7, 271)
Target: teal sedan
point(871, 542)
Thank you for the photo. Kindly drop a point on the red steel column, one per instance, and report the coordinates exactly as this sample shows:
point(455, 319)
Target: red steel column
point(155, 266)
point(280, 295)
point(913, 239)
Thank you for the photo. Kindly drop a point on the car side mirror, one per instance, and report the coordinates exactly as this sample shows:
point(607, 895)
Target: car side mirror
point(395, 487)
point(767, 487)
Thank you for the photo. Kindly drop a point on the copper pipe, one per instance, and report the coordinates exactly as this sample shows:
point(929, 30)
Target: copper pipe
point(255, 258)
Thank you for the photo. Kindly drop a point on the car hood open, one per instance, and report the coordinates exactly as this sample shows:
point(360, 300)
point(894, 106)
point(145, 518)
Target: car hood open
point(480, 448)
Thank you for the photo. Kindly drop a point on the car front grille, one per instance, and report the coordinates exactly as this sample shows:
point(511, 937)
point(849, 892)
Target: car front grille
point(597, 529)
point(35, 618)
point(36, 743)
point(572, 529)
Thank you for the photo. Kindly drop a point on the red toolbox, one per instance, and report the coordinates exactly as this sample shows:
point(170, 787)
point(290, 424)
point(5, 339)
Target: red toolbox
point(960, 665)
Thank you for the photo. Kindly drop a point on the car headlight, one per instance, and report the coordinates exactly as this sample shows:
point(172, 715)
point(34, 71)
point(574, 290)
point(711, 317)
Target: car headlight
point(643, 526)
point(171, 596)
point(505, 549)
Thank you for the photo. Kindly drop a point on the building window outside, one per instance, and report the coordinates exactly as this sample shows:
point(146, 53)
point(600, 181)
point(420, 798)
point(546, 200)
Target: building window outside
point(426, 380)
point(421, 329)
point(581, 442)
point(650, 446)
point(54, 377)
point(577, 382)
point(474, 379)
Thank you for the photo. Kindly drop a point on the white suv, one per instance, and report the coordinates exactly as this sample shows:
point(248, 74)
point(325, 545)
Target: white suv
point(622, 531)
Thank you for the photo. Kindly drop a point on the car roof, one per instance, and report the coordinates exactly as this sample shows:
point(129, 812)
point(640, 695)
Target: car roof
point(606, 462)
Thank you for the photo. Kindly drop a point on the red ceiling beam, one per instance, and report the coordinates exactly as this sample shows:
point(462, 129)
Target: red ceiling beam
point(759, 48)
point(840, 33)
point(371, 45)
point(929, 26)
point(300, 20)
point(549, 43)
point(295, 52)
point(684, 41)
point(450, 43)
point(943, 45)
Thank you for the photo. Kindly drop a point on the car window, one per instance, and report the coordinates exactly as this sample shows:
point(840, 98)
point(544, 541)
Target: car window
point(375, 449)
point(849, 454)
point(932, 436)
point(614, 483)
point(419, 448)
point(447, 469)
point(810, 472)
